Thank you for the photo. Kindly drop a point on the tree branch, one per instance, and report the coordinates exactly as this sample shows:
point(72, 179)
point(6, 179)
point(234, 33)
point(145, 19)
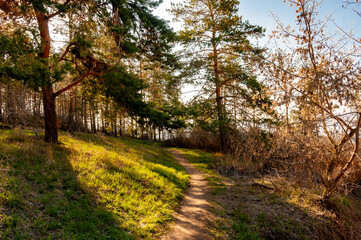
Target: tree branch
point(326, 130)
point(65, 52)
point(98, 75)
point(350, 161)
point(58, 12)
point(340, 120)
point(73, 83)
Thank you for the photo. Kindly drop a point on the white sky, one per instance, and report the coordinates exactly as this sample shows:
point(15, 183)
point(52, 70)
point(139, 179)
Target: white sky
point(162, 12)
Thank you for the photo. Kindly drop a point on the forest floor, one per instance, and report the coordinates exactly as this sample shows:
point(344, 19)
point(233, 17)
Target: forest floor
point(96, 187)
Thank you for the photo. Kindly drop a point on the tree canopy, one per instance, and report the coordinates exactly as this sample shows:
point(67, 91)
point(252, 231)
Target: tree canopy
point(30, 54)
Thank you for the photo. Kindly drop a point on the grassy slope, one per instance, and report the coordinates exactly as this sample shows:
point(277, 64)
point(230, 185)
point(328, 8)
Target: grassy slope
point(89, 187)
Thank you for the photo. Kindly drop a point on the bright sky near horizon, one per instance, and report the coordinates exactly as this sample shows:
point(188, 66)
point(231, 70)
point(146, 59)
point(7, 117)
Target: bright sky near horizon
point(259, 12)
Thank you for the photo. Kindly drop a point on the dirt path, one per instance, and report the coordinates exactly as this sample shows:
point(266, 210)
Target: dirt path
point(194, 215)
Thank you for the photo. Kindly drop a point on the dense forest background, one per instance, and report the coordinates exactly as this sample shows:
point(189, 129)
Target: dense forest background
point(113, 67)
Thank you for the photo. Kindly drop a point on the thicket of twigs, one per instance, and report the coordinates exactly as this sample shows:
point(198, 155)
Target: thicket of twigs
point(304, 159)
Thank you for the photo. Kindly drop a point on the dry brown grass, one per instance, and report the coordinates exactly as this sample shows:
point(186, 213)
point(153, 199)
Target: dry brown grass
point(303, 159)
point(275, 208)
point(288, 168)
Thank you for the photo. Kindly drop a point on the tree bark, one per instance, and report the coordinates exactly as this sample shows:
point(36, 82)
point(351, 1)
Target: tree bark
point(1, 104)
point(85, 116)
point(220, 112)
point(120, 125)
point(154, 133)
point(115, 125)
point(92, 117)
point(51, 126)
point(221, 119)
point(219, 107)
point(71, 127)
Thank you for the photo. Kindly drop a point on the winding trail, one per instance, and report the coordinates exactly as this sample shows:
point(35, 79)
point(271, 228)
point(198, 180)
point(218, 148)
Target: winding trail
point(194, 215)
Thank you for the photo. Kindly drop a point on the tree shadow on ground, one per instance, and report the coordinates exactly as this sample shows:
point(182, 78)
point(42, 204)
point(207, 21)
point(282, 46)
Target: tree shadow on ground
point(41, 197)
point(162, 161)
point(147, 177)
point(262, 213)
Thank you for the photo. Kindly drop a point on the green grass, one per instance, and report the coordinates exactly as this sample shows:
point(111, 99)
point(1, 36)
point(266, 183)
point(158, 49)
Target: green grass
point(201, 159)
point(88, 187)
point(204, 161)
point(241, 227)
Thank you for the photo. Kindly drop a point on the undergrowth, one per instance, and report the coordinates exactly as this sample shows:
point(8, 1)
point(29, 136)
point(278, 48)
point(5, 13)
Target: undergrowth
point(88, 187)
point(261, 206)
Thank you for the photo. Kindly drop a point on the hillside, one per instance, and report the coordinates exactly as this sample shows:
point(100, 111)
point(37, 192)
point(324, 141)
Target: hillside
point(101, 187)
point(88, 187)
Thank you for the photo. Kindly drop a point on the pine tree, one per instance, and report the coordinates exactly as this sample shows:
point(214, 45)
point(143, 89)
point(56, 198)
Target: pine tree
point(216, 33)
point(27, 50)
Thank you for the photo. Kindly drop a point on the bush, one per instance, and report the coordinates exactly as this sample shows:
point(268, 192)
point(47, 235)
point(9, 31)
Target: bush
point(196, 139)
point(306, 159)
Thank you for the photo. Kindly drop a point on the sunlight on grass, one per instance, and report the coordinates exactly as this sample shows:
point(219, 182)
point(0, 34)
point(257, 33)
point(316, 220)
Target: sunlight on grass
point(89, 187)
point(200, 159)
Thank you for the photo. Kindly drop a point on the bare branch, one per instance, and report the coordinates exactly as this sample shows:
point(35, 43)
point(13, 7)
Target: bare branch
point(350, 161)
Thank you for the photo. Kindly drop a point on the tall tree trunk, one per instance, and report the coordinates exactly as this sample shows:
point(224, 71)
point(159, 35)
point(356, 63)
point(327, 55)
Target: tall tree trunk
point(115, 124)
point(71, 111)
point(154, 133)
point(220, 110)
point(1, 104)
point(33, 105)
point(141, 125)
point(103, 121)
point(92, 117)
point(221, 119)
point(120, 125)
point(96, 119)
point(51, 128)
point(219, 107)
point(85, 115)
point(91, 114)
point(132, 126)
